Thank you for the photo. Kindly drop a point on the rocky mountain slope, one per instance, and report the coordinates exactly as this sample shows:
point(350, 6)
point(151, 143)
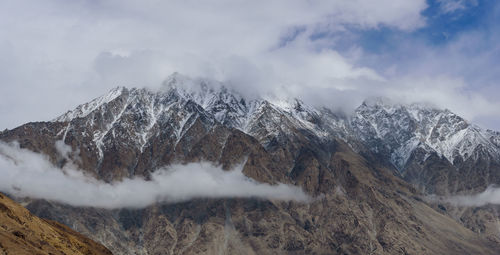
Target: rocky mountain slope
point(436, 149)
point(417, 140)
point(357, 168)
point(364, 210)
point(23, 233)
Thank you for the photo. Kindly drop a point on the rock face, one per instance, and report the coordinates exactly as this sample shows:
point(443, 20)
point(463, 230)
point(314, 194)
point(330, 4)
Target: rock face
point(363, 210)
point(23, 233)
point(435, 149)
point(357, 168)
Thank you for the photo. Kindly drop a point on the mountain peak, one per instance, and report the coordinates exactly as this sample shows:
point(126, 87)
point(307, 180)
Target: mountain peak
point(189, 85)
point(384, 125)
point(85, 109)
point(399, 129)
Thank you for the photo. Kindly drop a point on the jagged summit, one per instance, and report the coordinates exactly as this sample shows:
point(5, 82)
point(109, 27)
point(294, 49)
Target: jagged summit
point(386, 127)
point(401, 129)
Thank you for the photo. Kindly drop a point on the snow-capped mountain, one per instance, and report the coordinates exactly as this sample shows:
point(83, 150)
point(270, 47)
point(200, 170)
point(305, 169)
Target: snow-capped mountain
point(400, 129)
point(351, 164)
point(391, 130)
point(136, 115)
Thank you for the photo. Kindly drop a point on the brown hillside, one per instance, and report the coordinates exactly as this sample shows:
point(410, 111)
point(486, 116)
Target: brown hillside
point(23, 233)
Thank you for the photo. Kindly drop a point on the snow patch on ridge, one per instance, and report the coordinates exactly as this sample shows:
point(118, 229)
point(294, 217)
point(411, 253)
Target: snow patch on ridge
point(401, 155)
point(401, 128)
point(85, 109)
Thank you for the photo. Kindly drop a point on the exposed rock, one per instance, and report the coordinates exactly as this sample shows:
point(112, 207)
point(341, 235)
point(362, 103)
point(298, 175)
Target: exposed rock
point(23, 233)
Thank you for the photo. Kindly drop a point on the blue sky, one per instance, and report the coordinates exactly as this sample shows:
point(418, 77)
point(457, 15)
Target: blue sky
point(443, 27)
point(57, 54)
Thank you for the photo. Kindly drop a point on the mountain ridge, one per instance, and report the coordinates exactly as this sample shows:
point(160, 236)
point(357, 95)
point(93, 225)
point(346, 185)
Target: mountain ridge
point(419, 125)
point(370, 172)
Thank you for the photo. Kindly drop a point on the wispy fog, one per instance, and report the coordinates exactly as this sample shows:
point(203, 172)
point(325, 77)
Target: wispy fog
point(28, 174)
point(490, 196)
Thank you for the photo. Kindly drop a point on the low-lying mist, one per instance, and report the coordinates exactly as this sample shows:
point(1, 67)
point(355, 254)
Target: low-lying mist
point(490, 196)
point(28, 174)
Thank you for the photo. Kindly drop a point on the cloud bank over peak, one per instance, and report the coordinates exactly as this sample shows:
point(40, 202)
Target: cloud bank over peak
point(61, 53)
point(29, 174)
point(58, 54)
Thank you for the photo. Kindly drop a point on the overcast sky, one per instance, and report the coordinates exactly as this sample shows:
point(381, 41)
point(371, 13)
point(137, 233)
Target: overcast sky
point(56, 54)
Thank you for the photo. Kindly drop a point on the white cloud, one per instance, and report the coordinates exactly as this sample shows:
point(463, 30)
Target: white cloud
point(444, 92)
point(25, 173)
point(56, 54)
point(450, 6)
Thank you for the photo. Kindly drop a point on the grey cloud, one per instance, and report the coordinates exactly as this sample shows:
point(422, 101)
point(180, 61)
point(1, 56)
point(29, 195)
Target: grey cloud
point(57, 54)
